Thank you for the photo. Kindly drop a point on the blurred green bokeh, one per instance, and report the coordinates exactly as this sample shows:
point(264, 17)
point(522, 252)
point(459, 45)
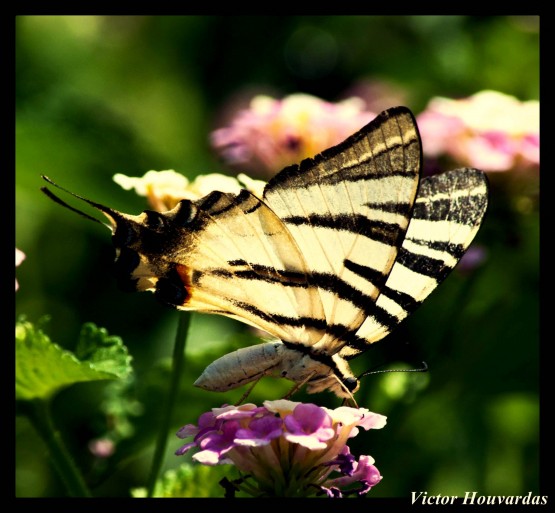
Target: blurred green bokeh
point(99, 95)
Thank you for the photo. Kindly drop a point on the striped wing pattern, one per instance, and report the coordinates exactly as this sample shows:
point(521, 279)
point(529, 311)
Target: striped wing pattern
point(327, 230)
point(447, 215)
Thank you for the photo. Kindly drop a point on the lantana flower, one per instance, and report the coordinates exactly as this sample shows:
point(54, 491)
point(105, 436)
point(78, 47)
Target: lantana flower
point(286, 448)
point(19, 257)
point(102, 447)
point(164, 189)
point(490, 130)
point(272, 133)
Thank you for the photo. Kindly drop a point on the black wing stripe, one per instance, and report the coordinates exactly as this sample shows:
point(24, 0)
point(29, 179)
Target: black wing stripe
point(324, 281)
point(218, 203)
point(383, 317)
point(339, 331)
point(360, 224)
point(404, 300)
point(267, 274)
point(385, 170)
point(442, 209)
point(435, 268)
point(390, 207)
point(372, 275)
point(420, 264)
point(455, 250)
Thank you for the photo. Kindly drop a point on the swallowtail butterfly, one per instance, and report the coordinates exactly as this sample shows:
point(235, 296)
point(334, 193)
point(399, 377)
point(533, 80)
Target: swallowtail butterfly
point(334, 255)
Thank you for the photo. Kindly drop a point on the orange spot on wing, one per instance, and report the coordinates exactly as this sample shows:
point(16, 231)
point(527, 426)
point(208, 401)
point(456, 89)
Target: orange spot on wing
point(184, 273)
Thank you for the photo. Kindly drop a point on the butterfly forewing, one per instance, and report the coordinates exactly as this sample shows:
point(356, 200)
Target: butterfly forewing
point(348, 210)
point(246, 265)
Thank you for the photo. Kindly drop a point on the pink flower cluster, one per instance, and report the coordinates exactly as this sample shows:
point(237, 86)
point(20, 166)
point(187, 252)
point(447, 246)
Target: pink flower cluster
point(490, 130)
point(273, 134)
point(289, 449)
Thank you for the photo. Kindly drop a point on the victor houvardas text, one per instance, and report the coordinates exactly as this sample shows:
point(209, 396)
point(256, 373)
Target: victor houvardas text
point(476, 499)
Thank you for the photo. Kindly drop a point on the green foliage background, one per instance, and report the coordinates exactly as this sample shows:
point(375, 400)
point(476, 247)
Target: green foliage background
point(99, 95)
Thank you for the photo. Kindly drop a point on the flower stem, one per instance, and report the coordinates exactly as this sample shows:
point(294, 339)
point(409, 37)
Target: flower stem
point(178, 362)
point(38, 412)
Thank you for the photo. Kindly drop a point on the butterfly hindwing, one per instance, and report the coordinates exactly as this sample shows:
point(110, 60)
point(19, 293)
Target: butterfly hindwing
point(348, 209)
point(447, 214)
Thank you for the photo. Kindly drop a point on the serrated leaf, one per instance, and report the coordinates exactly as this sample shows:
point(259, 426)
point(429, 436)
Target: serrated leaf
point(104, 352)
point(188, 481)
point(43, 367)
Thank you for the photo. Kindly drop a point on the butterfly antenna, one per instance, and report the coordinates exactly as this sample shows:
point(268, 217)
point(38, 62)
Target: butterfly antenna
point(424, 368)
point(108, 211)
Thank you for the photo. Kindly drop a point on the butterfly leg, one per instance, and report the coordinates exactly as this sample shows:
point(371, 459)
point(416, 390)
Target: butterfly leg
point(247, 393)
point(299, 385)
point(349, 401)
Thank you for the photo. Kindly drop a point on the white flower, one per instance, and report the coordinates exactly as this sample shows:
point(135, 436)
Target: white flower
point(164, 189)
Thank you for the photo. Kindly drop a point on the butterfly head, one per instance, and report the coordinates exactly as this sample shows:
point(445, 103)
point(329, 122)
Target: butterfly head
point(340, 381)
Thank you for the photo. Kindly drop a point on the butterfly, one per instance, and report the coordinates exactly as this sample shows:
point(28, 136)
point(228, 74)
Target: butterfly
point(336, 252)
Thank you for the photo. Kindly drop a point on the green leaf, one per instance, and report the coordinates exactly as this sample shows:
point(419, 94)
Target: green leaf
point(188, 481)
point(43, 368)
point(104, 352)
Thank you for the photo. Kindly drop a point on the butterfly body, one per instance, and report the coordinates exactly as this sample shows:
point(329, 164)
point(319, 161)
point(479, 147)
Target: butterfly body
point(281, 360)
point(336, 252)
